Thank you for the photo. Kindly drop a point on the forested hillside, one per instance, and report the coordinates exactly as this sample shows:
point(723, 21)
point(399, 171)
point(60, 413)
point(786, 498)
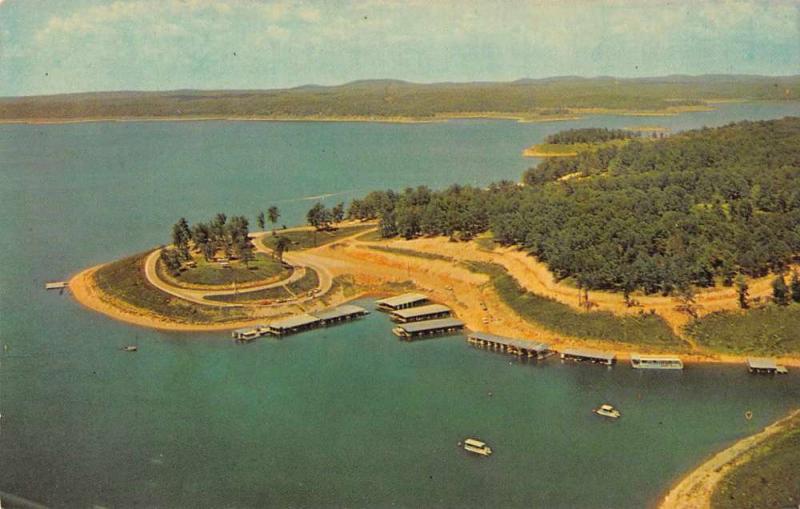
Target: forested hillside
point(392, 98)
point(659, 215)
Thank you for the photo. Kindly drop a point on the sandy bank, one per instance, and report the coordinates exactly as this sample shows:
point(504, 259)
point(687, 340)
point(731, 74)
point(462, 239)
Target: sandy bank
point(696, 488)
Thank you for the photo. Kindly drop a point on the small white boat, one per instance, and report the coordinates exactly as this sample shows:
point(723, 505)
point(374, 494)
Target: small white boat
point(475, 446)
point(607, 410)
point(130, 348)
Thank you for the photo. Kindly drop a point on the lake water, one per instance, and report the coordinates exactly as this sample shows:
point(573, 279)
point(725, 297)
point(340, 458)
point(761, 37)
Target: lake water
point(345, 416)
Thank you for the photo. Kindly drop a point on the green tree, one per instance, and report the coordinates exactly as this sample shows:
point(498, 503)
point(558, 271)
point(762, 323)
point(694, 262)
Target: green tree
point(319, 216)
point(337, 212)
point(794, 286)
point(281, 246)
point(742, 291)
point(262, 222)
point(780, 292)
point(172, 261)
point(273, 213)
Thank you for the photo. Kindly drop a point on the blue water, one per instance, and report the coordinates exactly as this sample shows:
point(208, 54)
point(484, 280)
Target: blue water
point(346, 416)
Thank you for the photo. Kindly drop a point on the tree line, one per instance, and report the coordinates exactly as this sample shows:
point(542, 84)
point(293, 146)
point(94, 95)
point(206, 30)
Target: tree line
point(590, 135)
point(692, 209)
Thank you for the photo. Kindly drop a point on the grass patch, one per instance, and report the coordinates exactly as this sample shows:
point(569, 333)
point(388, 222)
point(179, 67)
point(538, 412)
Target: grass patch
point(486, 242)
point(300, 287)
point(769, 479)
point(262, 268)
point(410, 252)
point(371, 236)
point(647, 329)
point(125, 280)
point(307, 239)
point(771, 330)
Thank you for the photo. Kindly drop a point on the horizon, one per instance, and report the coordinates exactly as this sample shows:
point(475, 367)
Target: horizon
point(733, 76)
point(85, 46)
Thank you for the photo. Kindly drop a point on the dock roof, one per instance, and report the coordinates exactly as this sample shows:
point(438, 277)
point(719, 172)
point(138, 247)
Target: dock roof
point(589, 353)
point(430, 309)
point(294, 321)
point(400, 300)
point(762, 363)
point(442, 323)
point(340, 312)
point(515, 342)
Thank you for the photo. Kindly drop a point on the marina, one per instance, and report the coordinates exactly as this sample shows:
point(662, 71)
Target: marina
point(403, 301)
point(520, 347)
point(589, 355)
point(765, 366)
point(420, 313)
point(439, 327)
point(639, 361)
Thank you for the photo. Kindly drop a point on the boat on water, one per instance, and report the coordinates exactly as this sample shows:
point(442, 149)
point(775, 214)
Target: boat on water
point(475, 446)
point(607, 410)
point(130, 348)
point(639, 361)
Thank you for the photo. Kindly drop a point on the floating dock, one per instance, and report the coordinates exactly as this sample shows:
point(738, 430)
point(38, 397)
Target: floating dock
point(419, 313)
point(513, 346)
point(639, 361)
point(403, 301)
point(765, 366)
point(588, 355)
point(250, 333)
point(56, 285)
point(428, 328)
point(340, 314)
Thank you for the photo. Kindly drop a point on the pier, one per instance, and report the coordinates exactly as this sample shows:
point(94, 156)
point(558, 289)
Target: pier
point(419, 313)
point(588, 355)
point(514, 346)
point(403, 301)
point(428, 328)
point(340, 314)
point(765, 366)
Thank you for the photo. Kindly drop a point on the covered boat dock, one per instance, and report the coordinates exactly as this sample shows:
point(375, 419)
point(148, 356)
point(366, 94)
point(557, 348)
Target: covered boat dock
point(765, 365)
point(513, 346)
point(586, 354)
point(415, 314)
point(340, 314)
point(403, 301)
point(640, 361)
point(294, 324)
point(428, 328)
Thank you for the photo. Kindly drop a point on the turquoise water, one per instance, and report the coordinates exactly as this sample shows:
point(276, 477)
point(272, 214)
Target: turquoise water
point(346, 416)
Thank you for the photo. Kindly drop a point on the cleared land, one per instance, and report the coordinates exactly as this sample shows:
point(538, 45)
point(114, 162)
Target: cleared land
point(262, 269)
point(771, 330)
point(307, 238)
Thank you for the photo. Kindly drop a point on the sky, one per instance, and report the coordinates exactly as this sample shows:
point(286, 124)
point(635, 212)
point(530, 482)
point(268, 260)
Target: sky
point(57, 46)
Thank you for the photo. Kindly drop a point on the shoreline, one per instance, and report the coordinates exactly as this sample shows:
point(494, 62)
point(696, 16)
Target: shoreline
point(696, 488)
point(521, 117)
point(375, 273)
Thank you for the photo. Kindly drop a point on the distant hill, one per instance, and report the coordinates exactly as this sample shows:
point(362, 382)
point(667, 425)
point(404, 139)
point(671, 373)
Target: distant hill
point(395, 98)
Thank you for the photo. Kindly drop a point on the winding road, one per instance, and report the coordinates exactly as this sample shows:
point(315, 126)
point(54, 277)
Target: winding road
point(300, 261)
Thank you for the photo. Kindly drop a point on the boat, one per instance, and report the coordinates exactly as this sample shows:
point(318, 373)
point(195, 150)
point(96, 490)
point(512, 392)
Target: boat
point(639, 361)
point(607, 410)
point(130, 348)
point(475, 446)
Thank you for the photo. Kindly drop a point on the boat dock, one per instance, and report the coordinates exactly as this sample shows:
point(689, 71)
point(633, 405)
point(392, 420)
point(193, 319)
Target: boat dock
point(589, 355)
point(765, 366)
point(415, 330)
point(250, 333)
point(514, 346)
point(340, 314)
point(403, 301)
point(639, 361)
point(56, 285)
point(420, 313)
